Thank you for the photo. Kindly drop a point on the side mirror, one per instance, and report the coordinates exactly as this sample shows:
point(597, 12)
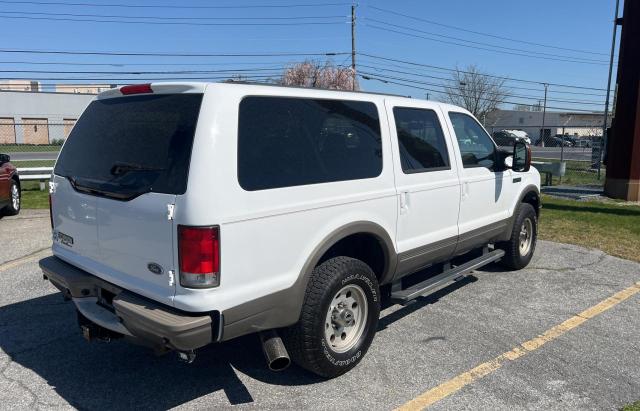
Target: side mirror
point(4, 158)
point(521, 157)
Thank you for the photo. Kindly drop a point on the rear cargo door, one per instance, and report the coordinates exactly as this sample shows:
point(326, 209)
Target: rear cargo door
point(130, 155)
point(136, 243)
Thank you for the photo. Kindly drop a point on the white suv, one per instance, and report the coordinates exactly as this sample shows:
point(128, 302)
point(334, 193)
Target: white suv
point(190, 213)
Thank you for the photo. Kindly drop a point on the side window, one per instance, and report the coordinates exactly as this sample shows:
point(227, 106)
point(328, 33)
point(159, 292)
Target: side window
point(420, 140)
point(286, 141)
point(476, 147)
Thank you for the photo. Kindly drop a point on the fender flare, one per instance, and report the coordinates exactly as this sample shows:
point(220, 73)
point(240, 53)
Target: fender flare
point(356, 227)
point(531, 188)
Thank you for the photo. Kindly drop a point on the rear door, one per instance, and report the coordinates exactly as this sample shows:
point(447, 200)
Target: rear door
point(427, 185)
point(121, 168)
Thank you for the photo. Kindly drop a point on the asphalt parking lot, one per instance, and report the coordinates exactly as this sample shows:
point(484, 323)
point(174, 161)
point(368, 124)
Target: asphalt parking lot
point(591, 361)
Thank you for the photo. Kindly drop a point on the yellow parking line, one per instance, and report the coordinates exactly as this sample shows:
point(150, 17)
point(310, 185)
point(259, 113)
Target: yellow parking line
point(455, 384)
point(27, 258)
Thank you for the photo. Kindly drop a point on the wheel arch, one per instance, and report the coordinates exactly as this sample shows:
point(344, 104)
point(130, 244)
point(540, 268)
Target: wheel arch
point(529, 195)
point(283, 308)
point(341, 239)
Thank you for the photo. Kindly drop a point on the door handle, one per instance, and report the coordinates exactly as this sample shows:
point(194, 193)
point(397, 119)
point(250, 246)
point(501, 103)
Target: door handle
point(465, 190)
point(404, 203)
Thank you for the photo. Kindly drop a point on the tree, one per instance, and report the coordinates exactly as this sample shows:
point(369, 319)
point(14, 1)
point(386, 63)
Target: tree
point(475, 91)
point(315, 74)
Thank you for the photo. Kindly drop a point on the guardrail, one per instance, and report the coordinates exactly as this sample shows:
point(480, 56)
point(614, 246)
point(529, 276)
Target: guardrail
point(558, 169)
point(35, 173)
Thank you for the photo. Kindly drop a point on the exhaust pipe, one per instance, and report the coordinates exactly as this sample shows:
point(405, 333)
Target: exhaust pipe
point(274, 350)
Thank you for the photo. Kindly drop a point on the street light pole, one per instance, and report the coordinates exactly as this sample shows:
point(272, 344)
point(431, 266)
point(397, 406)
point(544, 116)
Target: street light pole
point(544, 114)
point(353, 45)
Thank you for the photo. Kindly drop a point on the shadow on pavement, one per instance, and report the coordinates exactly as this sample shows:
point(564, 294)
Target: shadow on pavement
point(41, 334)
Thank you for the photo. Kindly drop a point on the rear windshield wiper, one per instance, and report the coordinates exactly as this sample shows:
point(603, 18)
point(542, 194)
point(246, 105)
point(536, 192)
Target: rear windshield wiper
point(101, 189)
point(122, 168)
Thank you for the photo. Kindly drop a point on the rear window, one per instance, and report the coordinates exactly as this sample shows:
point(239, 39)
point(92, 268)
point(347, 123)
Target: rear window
point(284, 142)
point(123, 147)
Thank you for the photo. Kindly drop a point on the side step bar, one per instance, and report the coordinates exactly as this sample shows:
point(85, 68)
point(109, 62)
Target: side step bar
point(444, 279)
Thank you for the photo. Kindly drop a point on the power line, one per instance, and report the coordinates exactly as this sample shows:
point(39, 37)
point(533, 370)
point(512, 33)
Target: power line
point(484, 75)
point(449, 78)
point(112, 79)
point(316, 23)
point(448, 88)
point(120, 16)
point(484, 99)
point(169, 54)
point(60, 63)
point(145, 72)
point(373, 26)
point(592, 102)
point(563, 57)
point(485, 34)
point(257, 6)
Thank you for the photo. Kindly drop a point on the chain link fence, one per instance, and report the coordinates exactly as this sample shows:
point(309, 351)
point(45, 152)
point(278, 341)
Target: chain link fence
point(576, 149)
point(34, 143)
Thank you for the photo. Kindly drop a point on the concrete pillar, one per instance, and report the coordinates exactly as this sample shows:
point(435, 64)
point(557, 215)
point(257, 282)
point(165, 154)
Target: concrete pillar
point(623, 156)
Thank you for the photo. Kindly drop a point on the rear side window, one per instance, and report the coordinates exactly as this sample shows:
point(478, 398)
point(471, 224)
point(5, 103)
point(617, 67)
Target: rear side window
point(131, 145)
point(476, 147)
point(420, 140)
point(284, 142)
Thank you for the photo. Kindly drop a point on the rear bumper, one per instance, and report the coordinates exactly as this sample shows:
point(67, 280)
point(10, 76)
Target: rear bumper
point(129, 314)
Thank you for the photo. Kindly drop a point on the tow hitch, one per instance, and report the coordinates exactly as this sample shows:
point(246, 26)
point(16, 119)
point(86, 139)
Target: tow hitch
point(92, 331)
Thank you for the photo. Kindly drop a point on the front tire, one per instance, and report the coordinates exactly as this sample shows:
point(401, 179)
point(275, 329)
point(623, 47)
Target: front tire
point(338, 320)
point(15, 201)
point(524, 235)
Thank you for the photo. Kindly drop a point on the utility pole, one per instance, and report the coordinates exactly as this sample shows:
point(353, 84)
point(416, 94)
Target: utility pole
point(353, 45)
point(544, 113)
point(616, 22)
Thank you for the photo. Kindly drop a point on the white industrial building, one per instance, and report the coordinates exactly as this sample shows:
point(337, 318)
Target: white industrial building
point(39, 117)
point(579, 124)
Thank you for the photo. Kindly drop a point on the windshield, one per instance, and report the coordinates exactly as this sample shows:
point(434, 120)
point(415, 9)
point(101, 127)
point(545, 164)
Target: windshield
point(123, 147)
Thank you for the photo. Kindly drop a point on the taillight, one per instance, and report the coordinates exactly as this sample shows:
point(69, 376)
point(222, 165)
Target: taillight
point(199, 256)
point(51, 211)
point(136, 89)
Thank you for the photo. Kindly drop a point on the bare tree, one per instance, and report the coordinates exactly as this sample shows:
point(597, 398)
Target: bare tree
point(475, 91)
point(321, 75)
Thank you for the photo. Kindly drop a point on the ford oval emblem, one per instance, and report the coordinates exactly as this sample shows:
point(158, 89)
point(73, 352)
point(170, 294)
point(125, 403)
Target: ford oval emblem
point(155, 268)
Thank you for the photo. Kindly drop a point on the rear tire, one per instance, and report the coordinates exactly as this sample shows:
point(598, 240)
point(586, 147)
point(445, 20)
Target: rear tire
point(339, 318)
point(520, 247)
point(15, 199)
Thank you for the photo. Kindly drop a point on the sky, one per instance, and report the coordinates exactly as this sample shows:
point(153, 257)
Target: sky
point(558, 42)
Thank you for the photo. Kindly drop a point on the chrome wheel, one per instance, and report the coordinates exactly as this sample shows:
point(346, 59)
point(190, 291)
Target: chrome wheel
point(15, 197)
point(526, 236)
point(346, 318)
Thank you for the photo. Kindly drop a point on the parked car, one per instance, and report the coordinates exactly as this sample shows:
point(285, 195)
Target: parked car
point(504, 138)
point(521, 135)
point(579, 142)
point(10, 194)
point(558, 141)
point(186, 214)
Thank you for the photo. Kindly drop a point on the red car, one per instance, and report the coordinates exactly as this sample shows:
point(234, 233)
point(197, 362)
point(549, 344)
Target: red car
point(9, 187)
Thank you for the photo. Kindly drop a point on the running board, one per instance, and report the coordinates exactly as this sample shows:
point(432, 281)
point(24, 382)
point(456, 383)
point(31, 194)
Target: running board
point(444, 279)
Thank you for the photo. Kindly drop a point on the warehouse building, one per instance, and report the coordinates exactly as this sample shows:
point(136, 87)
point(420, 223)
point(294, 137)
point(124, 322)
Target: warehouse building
point(39, 117)
point(578, 124)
